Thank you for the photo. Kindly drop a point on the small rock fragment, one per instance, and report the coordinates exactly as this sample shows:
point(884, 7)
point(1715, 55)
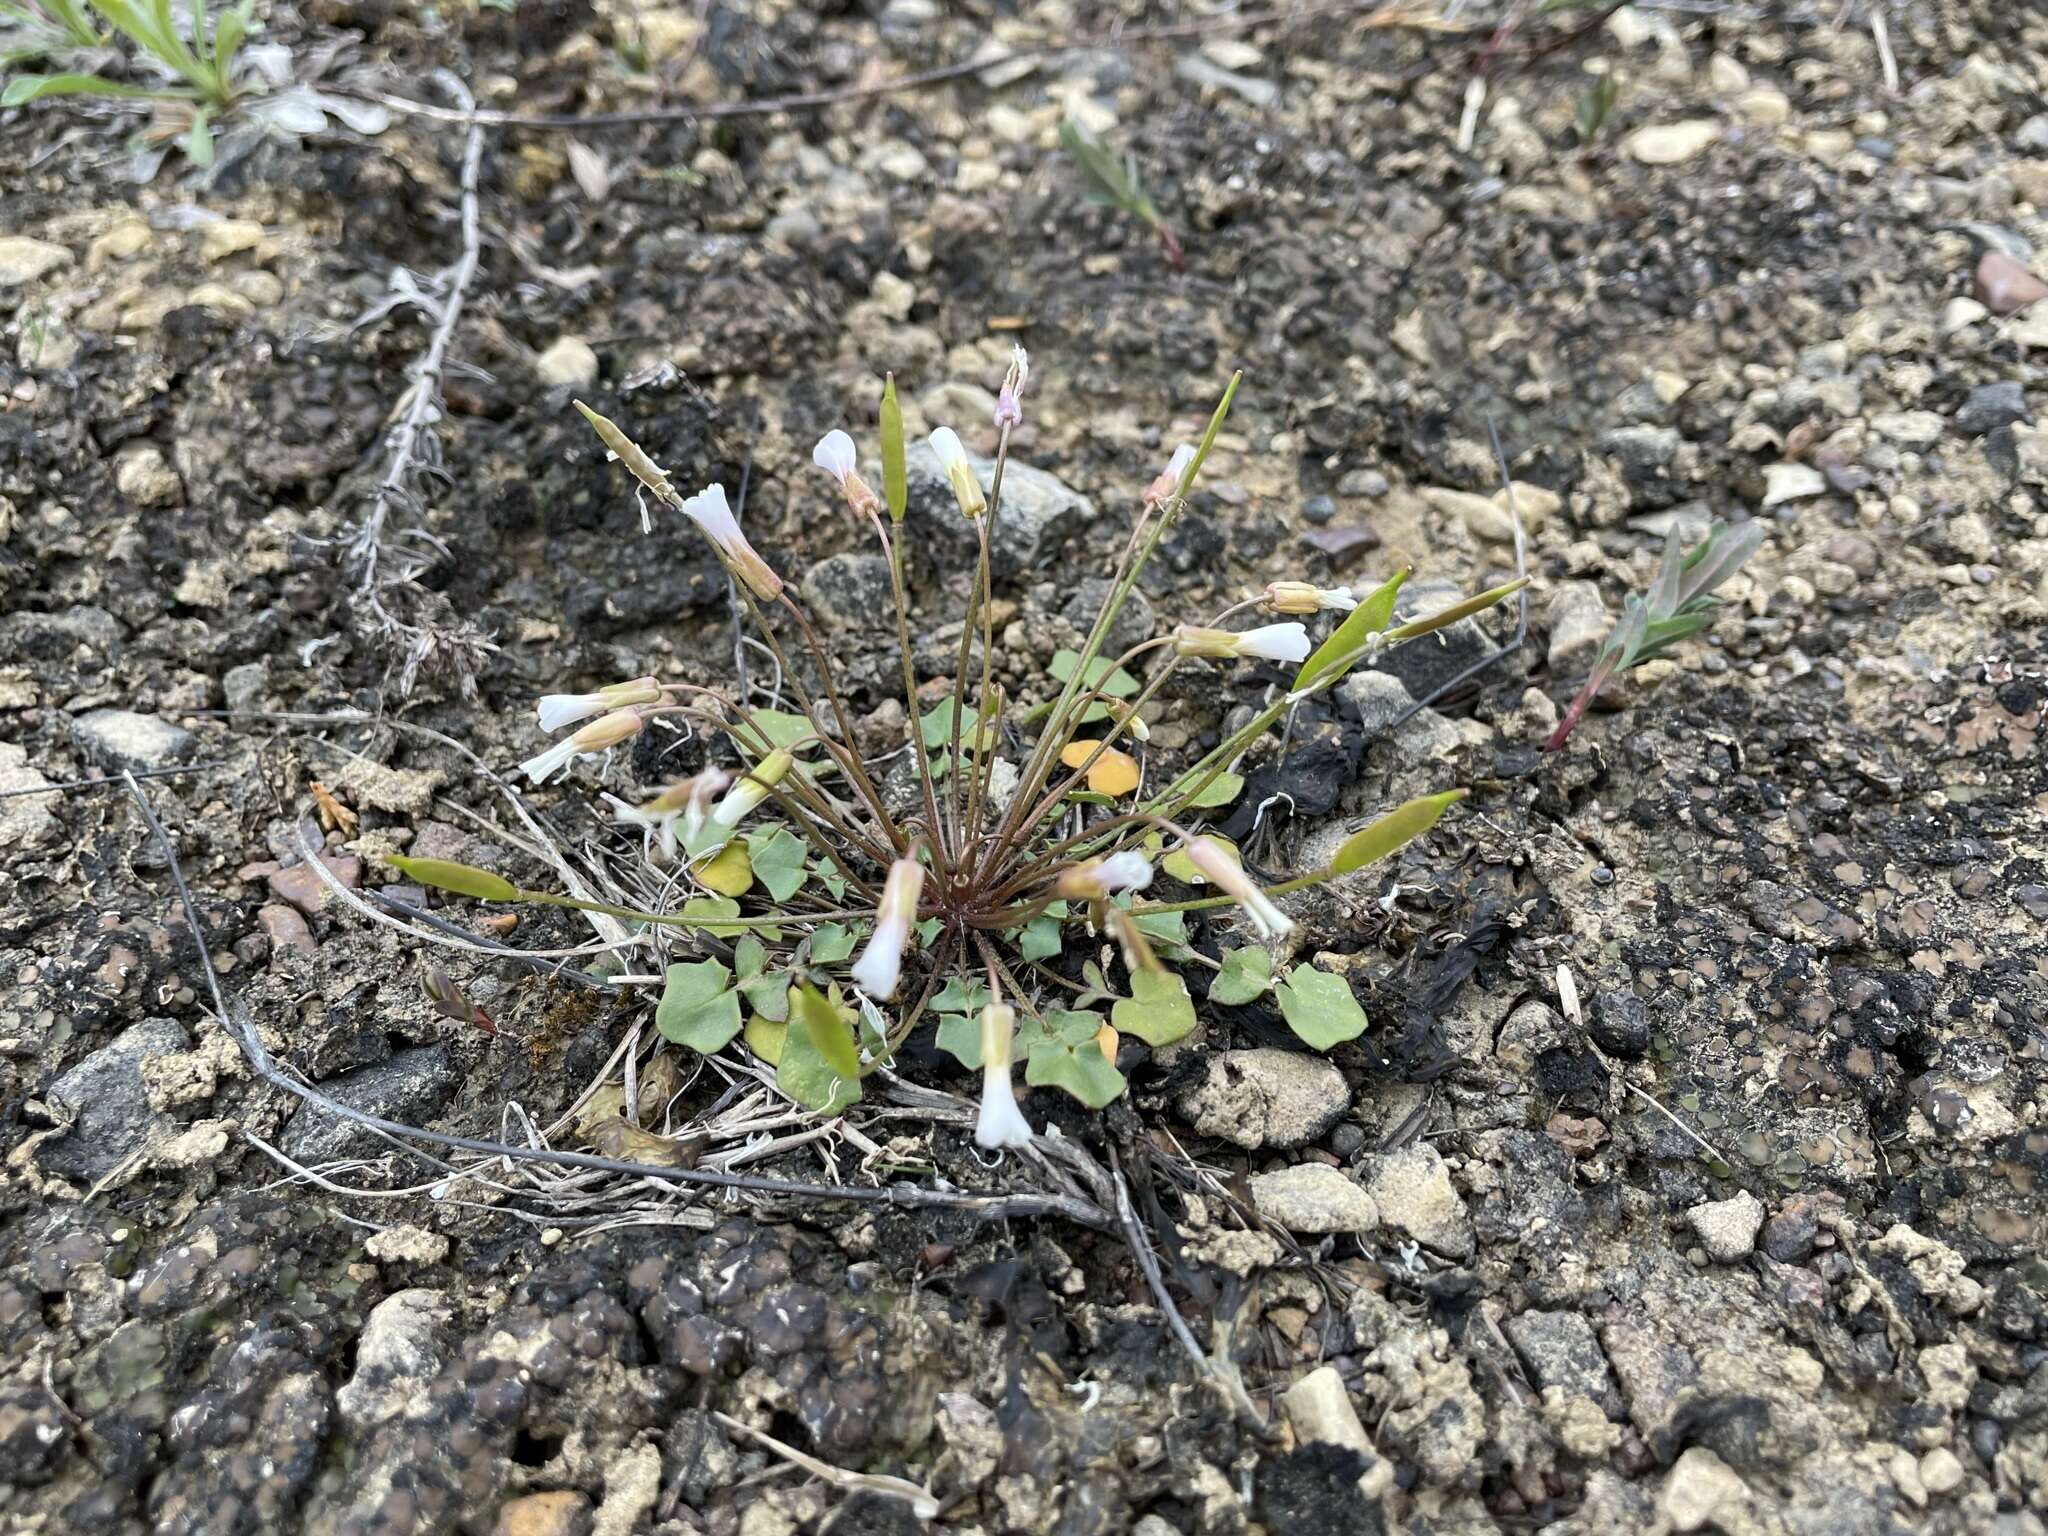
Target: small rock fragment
point(562, 1512)
point(1671, 143)
point(1313, 1198)
point(1265, 1098)
point(145, 477)
point(1413, 1191)
point(1727, 1228)
point(1792, 482)
point(285, 928)
point(224, 237)
point(570, 360)
point(121, 738)
point(2003, 286)
point(402, 1347)
point(1703, 1491)
point(407, 1244)
point(105, 1092)
point(1578, 626)
point(23, 260)
point(305, 890)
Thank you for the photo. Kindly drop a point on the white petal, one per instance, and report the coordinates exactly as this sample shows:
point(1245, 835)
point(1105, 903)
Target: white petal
point(1183, 456)
point(709, 511)
point(543, 766)
point(834, 454)
point(560, 709)
point(1126, 871)
point(1267, 918)
point(946, 444)
point(877, 970)
point(1000, 1123)
point(1339, 598)
point(1275, 642)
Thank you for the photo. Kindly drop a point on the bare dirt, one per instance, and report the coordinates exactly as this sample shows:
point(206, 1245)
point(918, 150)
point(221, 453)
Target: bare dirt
point(1751, 1244)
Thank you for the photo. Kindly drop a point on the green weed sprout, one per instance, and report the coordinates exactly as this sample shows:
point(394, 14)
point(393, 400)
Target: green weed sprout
point(1680, 605)
point(202, 83)
point(833, 918)
point(1110, 182)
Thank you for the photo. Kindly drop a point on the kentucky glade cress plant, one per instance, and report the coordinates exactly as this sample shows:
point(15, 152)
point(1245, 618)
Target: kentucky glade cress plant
point(831, 924)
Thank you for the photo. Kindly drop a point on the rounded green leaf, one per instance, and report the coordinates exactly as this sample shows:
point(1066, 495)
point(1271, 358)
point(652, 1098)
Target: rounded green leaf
point(1246, 973)
point(1319, 1007)
point(698, 1007)
point(809, 1079)
point(1079, 1070)
point(458, 879)
point(1158, 1011)
point(959, 1035)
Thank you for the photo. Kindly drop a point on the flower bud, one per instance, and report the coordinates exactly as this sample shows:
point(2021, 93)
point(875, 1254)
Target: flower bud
point(959, 473)
point(1167, 484)
point(752, 789)
point(1306, 597)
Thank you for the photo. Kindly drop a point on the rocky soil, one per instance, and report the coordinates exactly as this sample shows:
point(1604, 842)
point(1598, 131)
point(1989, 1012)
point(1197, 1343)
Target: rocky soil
point(1749, 1242)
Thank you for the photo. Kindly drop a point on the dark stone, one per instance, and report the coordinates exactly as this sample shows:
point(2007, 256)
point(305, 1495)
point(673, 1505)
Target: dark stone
point(409, 1087)
point(1560, 1349)
point(850, 591)
point(1991, 406)
point(1788, 1236)
point(1318, 510)
point(1039, 514)
point(1315, 1488)
point(1430, 663)
point(105, 1091)
point(1620, 1025)
point(1134, 621)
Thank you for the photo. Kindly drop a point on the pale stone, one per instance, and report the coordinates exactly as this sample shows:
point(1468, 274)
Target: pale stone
point(226, 237)
point(1314, 1198)
point(1792, 482)
point(570, 360)
point(1672, 143)
point(23, 260)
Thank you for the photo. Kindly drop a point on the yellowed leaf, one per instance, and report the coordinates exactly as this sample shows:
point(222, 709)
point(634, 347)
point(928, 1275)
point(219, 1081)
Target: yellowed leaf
point(729, 873)
point(1115, 773)
point(1106, 1041)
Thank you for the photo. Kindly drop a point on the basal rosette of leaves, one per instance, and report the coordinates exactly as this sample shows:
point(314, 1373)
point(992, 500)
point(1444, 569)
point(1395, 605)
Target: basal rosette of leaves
point(1011, 909)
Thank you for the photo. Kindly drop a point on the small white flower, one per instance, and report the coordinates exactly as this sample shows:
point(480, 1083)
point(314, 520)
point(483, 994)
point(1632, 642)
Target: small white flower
point(559, 709)
point(607, 731)
point(709, 510)
point(1219, 866)
point(543, 766)
point(1000, 1123)
point(751, 790)
point(1275, 642)
point(834, 454)
point(880, 965)
point(959, 473)
point(1099, 878)
point(1269, 642)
